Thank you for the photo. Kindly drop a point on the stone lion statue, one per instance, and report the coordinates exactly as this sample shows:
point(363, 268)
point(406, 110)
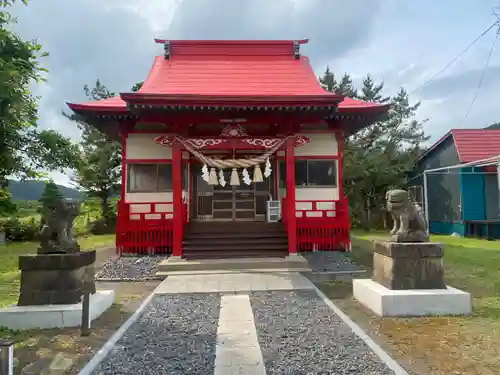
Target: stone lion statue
point(409, 221)
point(56, 228)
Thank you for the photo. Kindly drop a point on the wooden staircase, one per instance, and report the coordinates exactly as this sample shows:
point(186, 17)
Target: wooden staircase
point(223, 240)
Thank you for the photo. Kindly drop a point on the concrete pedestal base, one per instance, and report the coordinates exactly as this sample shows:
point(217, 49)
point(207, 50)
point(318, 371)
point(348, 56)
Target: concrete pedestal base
point(416, 302)
point(54, 316)
point(56, 279)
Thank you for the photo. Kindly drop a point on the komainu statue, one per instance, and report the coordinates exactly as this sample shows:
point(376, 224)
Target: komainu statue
point(56, 229)
point(409, 221)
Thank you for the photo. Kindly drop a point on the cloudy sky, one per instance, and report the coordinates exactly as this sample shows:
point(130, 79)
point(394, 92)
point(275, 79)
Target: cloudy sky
point(402, 42)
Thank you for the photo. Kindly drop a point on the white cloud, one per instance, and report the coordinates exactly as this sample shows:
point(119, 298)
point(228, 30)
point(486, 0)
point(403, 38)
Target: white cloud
point(402, 43)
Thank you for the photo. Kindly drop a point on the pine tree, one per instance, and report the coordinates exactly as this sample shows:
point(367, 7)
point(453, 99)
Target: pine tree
point(380, 156)
point(98, 173)
point(345, 87)
point(50, 195)
point(327, 80)
point(371, 92)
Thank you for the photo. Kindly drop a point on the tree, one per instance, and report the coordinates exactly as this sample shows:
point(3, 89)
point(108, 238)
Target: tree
point(380, 156)
point(493, 126)
point(137, 86)
point(24, 150)
point(98, 173)
point(371, 92)
point(7, 207)
point(50, 194)
point(345, 87)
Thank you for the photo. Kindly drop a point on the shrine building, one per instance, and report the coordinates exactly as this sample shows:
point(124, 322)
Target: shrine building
point(230, 149)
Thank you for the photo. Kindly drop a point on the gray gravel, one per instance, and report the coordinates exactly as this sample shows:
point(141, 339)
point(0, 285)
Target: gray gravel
point(300, 335)
point(130, 268)
point(175, 335)
point(330, 261)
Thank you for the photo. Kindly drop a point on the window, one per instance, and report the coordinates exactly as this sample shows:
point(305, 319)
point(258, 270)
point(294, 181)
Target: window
point(152, 178)
point(311, 173)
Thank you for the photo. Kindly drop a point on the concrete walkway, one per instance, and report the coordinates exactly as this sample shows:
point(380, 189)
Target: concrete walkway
point(247, 323)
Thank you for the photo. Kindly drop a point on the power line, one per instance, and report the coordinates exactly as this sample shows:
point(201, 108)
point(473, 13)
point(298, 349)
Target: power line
point(482, 74)
point(496, 23)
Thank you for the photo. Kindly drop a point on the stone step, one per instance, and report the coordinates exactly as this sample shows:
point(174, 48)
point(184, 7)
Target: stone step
point(294, 262)
point(217, 272)
point(235, 254)
point(235, 235)
point(236, 242)
point(241, 247)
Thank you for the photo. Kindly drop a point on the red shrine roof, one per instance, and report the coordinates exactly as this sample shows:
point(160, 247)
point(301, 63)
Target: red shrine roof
point(472, 144)
point(233, 73)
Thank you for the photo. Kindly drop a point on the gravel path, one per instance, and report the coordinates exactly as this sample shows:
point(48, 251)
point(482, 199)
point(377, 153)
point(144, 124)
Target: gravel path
point(329, 261)
point(299, 334)
point(175, 335)
point(130, 268)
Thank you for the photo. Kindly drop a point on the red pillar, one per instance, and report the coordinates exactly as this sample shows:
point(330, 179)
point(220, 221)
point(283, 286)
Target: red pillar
point(290, 195)
point(124, 166)
point(177, 199)
point(340, 149)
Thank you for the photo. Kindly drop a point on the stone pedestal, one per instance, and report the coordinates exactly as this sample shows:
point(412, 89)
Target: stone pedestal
point(56, 279)
point(412, 302)
point(408, 280)
point(406, 266)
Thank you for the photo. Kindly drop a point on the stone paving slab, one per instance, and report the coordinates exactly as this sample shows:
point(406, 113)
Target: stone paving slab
point(238, 349)
point(241, 282)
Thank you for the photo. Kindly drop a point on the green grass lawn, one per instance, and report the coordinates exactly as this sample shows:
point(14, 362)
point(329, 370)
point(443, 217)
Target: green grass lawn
point(470, 264)
point(10, 275)
point(438, 345)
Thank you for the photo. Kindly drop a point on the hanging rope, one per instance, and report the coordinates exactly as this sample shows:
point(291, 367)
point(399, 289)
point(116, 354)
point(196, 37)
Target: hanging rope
point(231, 163)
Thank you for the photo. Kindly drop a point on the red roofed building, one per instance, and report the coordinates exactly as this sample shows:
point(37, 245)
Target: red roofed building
point(465, 198)
point(218, 129)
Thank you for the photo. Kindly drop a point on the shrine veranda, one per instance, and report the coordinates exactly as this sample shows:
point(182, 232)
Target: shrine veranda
point(204, 103)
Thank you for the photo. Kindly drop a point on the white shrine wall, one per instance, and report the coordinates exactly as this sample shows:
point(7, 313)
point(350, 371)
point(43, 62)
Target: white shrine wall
point(142, 147)
point(321, 144)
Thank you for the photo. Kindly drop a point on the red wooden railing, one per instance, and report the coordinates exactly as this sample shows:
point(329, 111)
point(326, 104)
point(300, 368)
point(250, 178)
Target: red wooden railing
point(321, 224)
point(145, 227)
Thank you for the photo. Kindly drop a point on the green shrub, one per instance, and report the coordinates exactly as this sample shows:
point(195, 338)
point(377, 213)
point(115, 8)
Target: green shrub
point(20, 230)
point(23, 227)
point(103, 226)
point(7, 207)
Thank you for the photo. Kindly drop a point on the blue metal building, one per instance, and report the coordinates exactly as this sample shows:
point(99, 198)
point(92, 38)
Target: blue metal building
point(461, 180)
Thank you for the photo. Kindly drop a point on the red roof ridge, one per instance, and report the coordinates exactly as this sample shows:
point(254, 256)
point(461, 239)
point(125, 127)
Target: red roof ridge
point(231, 47)
point(229, 42)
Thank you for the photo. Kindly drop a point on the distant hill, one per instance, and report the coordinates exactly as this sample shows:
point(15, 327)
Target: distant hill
point(32, 190)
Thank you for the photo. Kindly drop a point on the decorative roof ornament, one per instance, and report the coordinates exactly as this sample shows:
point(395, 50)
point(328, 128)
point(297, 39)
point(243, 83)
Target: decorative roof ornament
point(233, 131)
point(296, 49)
point(166, 48)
